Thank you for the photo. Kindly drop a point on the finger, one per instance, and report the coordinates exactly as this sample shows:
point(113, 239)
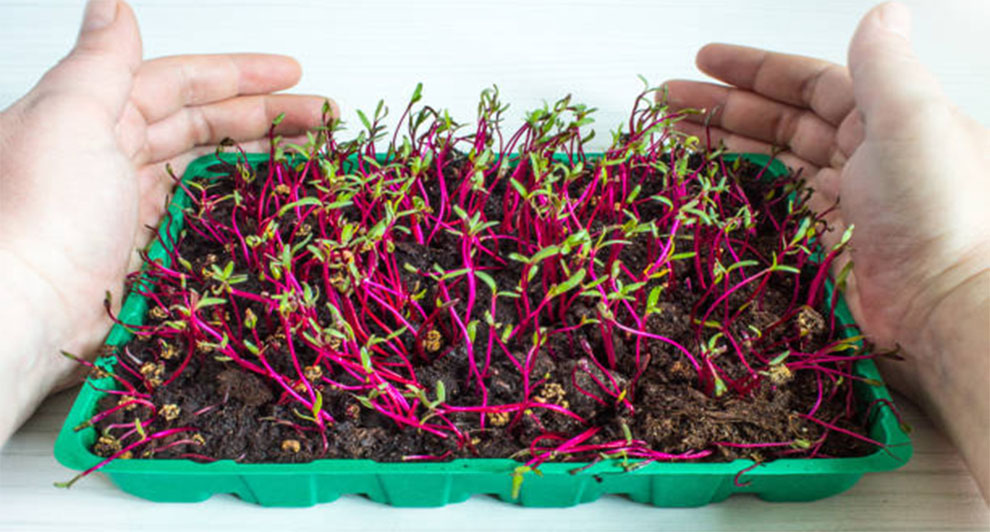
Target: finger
point(753, 116)
point(825, 200)
point(805, 82)
point(101, 66)
point(849, 136)
point(243, 118)
point(165, 85)
point(714, 136)
point(179, 162)
point(892, 87)
point(823, 181)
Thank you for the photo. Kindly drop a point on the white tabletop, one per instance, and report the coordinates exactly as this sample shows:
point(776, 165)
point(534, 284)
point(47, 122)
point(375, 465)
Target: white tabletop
point(358, 52)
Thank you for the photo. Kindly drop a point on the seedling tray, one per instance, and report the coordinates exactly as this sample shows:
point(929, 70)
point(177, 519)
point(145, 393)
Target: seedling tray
point(436, 484)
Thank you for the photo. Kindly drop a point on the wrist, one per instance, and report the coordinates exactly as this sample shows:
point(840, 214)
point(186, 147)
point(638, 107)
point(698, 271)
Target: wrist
point(33, 332)
point(955, 322)
point(953, 358)
point(935, 290)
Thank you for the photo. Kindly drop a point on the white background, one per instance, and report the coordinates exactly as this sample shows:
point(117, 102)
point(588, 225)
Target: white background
point(358, 52)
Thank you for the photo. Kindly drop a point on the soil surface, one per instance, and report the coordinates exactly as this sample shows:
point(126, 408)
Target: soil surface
point(241, 416)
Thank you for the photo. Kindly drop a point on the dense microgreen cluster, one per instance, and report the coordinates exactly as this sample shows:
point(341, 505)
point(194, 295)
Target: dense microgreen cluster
point(317, 285)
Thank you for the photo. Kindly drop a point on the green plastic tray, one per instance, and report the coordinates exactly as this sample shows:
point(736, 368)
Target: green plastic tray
point(437, 484)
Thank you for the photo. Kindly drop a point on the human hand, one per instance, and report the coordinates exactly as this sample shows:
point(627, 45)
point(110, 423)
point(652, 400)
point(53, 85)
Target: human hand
point(82, 177)
point(910, 171)
point(909, 168)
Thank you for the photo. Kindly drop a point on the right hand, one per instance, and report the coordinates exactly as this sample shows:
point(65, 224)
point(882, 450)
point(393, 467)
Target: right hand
point(909, 170)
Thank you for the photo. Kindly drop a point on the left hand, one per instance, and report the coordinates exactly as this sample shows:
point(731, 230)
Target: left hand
point(82, 176)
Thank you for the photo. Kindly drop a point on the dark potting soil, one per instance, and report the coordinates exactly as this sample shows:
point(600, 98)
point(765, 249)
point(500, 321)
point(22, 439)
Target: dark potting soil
point(241, 416)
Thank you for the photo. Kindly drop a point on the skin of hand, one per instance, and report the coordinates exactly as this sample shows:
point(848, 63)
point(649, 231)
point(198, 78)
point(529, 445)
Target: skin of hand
point(909, 171)
point(82, 181)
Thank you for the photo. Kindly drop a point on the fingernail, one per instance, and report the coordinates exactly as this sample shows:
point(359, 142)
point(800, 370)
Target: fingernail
point(99, 14)
point(896, 17)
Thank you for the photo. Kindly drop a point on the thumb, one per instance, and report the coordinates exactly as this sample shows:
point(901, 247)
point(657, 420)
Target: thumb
point(890, 84)
point(109, 28)
point(102, 64)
